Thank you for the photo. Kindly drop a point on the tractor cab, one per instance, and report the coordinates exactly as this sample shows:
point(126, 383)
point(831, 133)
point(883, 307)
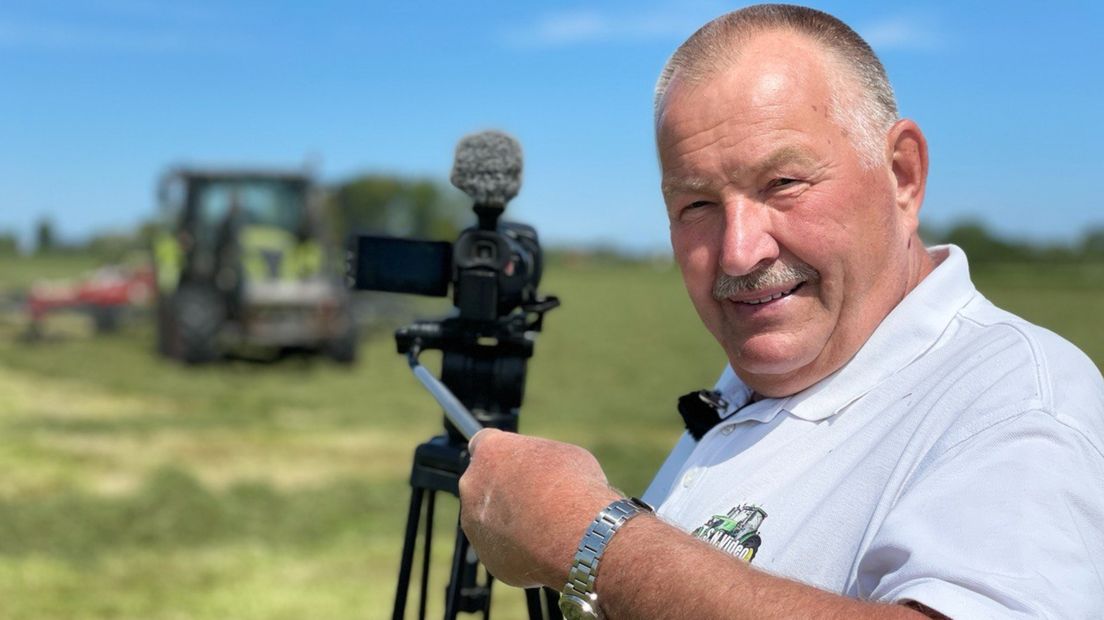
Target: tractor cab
point(241, 261)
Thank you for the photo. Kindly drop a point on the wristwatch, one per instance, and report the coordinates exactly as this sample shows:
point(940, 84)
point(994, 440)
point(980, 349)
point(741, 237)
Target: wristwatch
point(579, 601)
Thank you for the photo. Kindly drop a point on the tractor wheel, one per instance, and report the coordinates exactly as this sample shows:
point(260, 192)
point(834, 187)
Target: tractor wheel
point(343, 348)
point(165, 328)
point(751, 547)
point(199, 315)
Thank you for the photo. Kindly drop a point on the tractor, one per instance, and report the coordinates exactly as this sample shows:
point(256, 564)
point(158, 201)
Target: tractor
point(242, 265)
point(737, 532)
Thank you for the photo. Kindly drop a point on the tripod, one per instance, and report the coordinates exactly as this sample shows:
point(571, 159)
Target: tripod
point(439, 463)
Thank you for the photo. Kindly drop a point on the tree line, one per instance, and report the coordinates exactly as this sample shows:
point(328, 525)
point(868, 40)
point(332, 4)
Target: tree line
point(365, 204)
point(428, 208)
point(984, 246)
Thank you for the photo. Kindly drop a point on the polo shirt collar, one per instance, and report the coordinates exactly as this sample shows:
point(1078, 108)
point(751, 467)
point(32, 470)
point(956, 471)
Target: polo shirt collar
point(904, 335)
point(739, 397)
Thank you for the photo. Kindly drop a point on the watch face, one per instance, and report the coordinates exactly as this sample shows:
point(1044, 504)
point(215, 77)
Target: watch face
point(575, 608)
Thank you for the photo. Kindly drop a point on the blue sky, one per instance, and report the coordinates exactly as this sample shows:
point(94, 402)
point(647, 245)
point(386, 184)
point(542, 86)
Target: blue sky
point(98, 97)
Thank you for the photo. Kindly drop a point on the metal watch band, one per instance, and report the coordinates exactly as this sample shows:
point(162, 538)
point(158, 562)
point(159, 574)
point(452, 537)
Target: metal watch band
point(584, 569)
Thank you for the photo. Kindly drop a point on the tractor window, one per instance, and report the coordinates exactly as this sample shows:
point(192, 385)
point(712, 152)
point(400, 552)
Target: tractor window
point(754, 521)
point(171, 195)
point(261, 202)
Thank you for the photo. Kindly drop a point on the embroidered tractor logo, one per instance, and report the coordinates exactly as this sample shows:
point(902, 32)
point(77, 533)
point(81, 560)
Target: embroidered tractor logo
point(736, 533)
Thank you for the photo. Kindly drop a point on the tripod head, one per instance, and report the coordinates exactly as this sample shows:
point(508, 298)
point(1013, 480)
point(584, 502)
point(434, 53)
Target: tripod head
point(484, 364)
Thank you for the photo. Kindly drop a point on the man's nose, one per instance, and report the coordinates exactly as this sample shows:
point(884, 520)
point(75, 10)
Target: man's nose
point(748, 243)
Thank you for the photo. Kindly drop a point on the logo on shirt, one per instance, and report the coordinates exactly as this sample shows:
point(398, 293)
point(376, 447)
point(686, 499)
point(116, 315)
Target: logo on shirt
point(736, 533)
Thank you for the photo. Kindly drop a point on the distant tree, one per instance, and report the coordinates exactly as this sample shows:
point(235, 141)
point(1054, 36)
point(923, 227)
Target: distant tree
point(1092, 243)
point(112, 246)
point(45, 239)
point(981, 246)
point(9, 243)
point(390, 205)
point(928, 234)
point(146, 232)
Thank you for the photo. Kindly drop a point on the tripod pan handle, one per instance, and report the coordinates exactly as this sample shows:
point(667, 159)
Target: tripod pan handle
point(455, 411)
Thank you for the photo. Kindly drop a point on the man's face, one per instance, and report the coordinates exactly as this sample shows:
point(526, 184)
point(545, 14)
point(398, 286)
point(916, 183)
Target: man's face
point(763, 186)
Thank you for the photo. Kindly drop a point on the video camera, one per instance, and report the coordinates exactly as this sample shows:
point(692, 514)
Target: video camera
point(494, 270)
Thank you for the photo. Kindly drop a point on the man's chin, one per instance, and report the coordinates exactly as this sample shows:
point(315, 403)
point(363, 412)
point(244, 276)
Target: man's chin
point(773, 372)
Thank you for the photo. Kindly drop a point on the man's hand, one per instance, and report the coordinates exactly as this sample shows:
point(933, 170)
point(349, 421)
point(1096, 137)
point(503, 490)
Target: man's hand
point(525, 502)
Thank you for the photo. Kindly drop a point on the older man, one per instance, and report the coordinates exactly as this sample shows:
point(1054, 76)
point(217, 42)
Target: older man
point(888, 442)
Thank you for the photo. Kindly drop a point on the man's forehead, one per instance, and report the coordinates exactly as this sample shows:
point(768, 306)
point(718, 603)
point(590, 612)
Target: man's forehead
point(769, 68)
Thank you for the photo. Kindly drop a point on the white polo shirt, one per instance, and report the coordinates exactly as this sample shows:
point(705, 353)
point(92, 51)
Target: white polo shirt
point(957, 460)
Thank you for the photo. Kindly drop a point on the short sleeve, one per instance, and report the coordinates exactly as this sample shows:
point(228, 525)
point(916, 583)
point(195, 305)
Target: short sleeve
point(1007, 524)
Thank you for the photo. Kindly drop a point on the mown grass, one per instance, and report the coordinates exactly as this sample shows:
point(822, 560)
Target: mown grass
point(136, 488)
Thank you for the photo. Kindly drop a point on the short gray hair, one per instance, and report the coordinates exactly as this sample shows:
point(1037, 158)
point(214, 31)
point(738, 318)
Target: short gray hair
point(714, 47)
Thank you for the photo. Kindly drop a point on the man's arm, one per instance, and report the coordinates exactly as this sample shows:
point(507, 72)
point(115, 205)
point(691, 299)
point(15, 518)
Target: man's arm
point(526, 501)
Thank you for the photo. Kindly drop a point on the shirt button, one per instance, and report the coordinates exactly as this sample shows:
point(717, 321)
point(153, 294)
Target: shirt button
point(690, 477)
point(727, 429)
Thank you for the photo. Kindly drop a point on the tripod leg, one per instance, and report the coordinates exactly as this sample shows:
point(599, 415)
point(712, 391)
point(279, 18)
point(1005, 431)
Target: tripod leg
point(543, 604)
point(408, 553)
point(456, 578)
point(464, 592)
point(427, 545)
point(552, 602)
point(534, 604)
point(487, 606)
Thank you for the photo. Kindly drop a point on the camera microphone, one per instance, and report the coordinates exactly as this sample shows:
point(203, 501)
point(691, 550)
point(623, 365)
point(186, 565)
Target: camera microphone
point(487, 168)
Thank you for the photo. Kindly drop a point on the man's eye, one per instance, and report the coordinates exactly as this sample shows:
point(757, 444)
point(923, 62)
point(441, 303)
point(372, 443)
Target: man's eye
point(691, 210)
point(783, 182)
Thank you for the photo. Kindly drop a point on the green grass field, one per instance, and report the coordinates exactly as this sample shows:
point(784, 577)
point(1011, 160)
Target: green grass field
point(139, 489)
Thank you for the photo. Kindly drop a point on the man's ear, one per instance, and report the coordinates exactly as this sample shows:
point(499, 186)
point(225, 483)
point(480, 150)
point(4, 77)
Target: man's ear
point(909, 153)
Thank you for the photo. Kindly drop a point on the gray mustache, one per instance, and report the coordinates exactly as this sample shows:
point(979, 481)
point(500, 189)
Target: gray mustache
point(774, 275)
